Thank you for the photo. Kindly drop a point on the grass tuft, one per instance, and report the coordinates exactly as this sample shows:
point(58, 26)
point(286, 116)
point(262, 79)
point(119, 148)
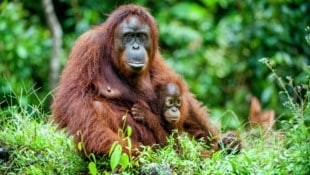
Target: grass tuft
point(34, 145)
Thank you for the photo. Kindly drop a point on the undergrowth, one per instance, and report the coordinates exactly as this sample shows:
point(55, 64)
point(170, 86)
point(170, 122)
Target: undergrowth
point(34, 145)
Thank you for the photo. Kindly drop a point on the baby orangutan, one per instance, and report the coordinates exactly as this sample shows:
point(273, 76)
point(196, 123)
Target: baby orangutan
point(174, 112)
point(169, 106)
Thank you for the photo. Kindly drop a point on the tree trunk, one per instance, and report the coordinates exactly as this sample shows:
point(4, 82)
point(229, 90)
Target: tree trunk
point(56, 31)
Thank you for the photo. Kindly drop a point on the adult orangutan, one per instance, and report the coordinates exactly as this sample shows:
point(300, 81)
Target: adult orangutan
point(110, 68)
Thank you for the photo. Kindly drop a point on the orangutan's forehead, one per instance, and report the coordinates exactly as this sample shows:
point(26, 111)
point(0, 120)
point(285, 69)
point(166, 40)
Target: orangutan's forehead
point(134, 23)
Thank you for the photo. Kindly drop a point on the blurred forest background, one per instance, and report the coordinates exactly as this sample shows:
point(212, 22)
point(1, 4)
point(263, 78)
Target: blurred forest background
point(215, 45)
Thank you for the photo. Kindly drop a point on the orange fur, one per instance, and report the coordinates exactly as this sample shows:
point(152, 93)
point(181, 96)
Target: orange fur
point(95, 92)
point(259, 117)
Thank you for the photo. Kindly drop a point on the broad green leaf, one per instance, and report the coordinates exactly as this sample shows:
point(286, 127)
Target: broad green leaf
point(124, 161)
point(92, 168)
point(115, 157)
point(112, 148)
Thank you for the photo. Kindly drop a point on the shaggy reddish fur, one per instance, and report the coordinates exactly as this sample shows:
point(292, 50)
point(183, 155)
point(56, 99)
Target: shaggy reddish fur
point(194, 117)
point(162, 128)
point(95, 92)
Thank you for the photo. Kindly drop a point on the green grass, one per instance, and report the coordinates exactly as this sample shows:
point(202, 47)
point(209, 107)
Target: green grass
point(36, 147)
point(279, 153)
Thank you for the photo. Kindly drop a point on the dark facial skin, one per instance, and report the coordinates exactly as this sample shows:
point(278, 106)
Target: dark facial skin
point(133, 40)
point(172, 103)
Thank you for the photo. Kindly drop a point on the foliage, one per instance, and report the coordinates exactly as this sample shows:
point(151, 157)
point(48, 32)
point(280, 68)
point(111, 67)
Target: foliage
point(34, 145)
point(259, 156)
point(117, 156)
point(224, 42)
point(119, 161)
point(24, 46)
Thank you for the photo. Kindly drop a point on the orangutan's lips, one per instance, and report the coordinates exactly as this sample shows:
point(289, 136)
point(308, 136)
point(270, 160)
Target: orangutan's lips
point(136, 66)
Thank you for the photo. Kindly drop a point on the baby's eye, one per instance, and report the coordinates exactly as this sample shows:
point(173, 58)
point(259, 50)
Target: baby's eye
point(178, 102)
point(169, 102)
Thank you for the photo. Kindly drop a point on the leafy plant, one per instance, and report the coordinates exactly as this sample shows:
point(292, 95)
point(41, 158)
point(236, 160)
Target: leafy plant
point(117, 156)
point(298, 97)
point(119, 161)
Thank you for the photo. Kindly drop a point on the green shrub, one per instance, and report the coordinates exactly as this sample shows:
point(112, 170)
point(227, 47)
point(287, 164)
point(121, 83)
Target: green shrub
point(24, 53)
